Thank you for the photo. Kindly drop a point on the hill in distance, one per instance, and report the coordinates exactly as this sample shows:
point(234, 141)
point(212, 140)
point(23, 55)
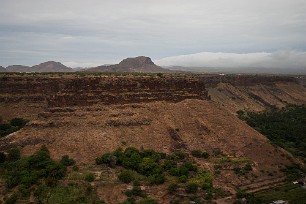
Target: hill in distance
point(140, 64)
point(2, 69)
point(49, 66)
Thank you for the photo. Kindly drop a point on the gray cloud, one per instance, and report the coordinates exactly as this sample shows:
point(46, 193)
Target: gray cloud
point(99, 31)
point(280, 59)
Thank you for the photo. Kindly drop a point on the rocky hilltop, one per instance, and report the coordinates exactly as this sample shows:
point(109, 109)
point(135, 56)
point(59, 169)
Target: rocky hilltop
point(49, 66)
point(138, 64)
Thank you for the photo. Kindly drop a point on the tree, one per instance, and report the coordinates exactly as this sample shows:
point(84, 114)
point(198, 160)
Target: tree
point(67, 161)
point(125, 176)
point(13, 154)
point(2, 157)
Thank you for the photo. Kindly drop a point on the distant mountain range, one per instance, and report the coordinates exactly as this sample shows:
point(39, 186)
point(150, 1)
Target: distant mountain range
point(139, 64)
point(49, 66)
point(2, 69)
point(144, 64)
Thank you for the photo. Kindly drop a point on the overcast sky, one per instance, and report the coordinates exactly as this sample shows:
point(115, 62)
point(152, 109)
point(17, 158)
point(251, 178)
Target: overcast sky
point(95, 32)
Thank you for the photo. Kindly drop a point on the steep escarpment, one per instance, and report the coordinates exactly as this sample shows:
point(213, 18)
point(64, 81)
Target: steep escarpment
point(84, 91)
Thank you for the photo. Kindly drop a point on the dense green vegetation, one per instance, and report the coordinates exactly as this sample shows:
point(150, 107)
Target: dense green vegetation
point(27, 171)
point(14, 125)
point(285, 127)
point(153, 168)
point(294, 194)
point(149, 163)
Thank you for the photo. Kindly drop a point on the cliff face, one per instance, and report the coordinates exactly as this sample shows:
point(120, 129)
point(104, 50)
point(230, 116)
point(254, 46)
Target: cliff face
point(85, 91)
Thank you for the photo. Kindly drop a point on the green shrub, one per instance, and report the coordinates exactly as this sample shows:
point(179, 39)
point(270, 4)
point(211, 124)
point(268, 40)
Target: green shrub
point(237, 170)
point(18, 122)
point(136, 191)
point(189, 166)
point(104, 159)
point(192, 188)
point(2, 157)
point(149, 167)
point(247, 167)
point(157, 179)
point(66, 161)
point(125, 176)
point(205, 155)
point(172, 188)
point(168, 165)
point(90, 177)
point(148, 201)
point(24, 190)
point(13, 154)
point(75, 168)
point(183, 179)
point(174, 171)
point(12, 199)
point(196, 153)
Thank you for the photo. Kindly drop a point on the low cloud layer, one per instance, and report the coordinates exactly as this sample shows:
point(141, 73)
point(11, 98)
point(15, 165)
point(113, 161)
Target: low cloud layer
point(280, 59)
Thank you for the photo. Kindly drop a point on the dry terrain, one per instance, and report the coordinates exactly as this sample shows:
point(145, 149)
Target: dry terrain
point(85, 116)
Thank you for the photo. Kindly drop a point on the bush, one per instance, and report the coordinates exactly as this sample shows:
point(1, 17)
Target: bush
point(125, 176)
point(183, 179)
point(172, 188)
point(247, 167)
point(192, 188)
point(75, 168)
point(89, 177)
point(168, 165)
point(174, 171)
point(205, 155)
point(2, 157)
point(157, 179)
point(66, 161)
point(18, 122)
point(13, 154)
point(136, 191)
point(12, 199)
point(104, 159)
point(196, 153)
point(148, 201)
point(237, 170)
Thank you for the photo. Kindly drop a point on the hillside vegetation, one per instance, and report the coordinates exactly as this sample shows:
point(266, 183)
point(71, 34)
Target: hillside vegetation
point(285, 127)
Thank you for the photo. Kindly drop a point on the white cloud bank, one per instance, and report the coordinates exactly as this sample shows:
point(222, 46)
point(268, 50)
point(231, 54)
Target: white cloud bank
point(280, 59)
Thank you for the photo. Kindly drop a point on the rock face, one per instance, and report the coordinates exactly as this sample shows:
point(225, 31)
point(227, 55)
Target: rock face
point(76, 91)
point(2, 69)
point(138, 64)
point(49, 66)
